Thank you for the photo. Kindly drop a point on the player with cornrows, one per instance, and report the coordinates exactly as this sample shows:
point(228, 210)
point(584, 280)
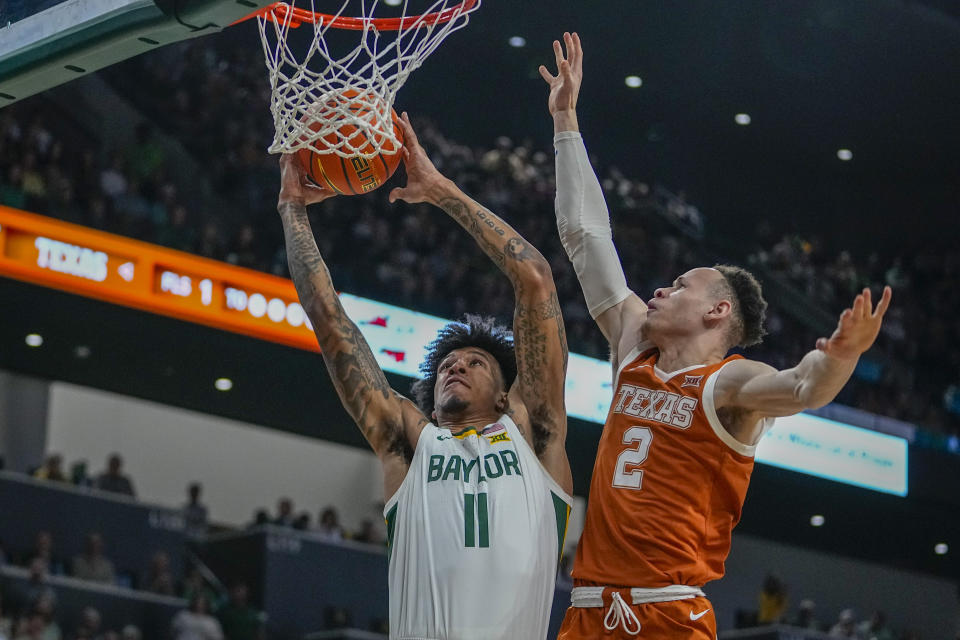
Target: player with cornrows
point(676, 453)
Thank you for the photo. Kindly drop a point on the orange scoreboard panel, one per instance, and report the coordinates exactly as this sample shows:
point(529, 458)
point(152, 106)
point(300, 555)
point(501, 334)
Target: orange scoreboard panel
point(115, 269)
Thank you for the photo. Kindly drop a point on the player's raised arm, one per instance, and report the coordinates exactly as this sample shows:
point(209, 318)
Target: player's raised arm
point(389, 422)
point(758, 388)
point(537, 396)
point(582, 217)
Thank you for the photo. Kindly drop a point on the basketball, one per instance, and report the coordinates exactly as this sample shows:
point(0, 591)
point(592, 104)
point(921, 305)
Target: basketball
point(356, 174)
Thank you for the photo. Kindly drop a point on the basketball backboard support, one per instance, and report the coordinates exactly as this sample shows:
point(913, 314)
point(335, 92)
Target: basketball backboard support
point(66, 39)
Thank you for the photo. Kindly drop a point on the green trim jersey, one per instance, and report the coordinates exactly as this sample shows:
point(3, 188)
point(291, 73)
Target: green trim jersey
point(475, 533)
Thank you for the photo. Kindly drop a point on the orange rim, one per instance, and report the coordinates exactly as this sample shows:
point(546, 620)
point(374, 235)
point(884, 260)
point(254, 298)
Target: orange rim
point(282, 12)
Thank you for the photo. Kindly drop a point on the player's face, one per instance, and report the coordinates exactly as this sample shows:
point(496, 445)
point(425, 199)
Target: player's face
point(468, 377)
point(681, 307)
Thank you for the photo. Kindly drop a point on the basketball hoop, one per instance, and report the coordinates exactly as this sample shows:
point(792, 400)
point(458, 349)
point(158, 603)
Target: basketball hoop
point(355, 88)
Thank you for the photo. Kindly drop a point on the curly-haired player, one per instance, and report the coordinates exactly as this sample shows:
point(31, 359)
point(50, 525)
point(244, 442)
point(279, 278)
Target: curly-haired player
point(677, 449)
point(476, 477)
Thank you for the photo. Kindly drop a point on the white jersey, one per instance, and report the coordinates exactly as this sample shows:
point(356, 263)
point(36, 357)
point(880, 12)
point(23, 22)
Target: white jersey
point(475, 533)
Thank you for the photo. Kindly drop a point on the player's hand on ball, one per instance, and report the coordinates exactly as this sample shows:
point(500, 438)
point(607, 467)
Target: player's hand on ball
point(423, 179)
point(294, 186)
point(858, 327)
point(565, 86)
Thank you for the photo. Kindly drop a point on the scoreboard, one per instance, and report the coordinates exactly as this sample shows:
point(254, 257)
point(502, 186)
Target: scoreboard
point(136, 274)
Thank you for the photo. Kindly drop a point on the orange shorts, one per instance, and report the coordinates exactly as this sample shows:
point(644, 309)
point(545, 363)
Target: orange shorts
point(690, 619)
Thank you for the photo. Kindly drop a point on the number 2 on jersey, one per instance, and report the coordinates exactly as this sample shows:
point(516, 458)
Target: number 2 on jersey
point(633, 456)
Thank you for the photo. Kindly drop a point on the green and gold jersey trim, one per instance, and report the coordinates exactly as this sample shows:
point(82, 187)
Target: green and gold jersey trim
point(391, 520)
point(562, 511)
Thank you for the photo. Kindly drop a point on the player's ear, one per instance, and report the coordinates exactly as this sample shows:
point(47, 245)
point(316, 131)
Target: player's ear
point(503, 402)
point(721, 309)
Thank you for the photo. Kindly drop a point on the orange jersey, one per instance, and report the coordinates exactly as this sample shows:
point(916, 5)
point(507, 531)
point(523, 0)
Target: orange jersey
point(668, 484)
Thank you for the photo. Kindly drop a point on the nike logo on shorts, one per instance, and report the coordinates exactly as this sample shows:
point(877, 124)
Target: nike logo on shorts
point(697, 616)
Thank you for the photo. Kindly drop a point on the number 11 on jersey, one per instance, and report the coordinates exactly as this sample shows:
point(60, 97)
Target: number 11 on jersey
point(632, 456)
point(475, 520)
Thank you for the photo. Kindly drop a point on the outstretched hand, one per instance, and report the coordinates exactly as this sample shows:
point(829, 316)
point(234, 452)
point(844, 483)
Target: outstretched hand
point(858, 327)
point(423, 179)
point(294, 185)
point(565, 86)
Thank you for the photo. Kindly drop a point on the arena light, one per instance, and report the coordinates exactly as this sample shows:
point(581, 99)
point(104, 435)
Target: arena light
point(941, 549)
point(33, 340)
point(845, 154)
point(633, 82)
point(223, 384)
point(517, 41)
point(742, 119)
point(817, 520)
point(393, 3)
point(82, 351)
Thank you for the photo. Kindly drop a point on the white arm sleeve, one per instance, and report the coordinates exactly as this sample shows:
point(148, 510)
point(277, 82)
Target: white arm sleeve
point(584, 225)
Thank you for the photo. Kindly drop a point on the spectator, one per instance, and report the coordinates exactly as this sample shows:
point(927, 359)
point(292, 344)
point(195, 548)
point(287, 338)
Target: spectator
point(32, 627)
point(196, 623)
point(195, 512)
point(52, 469)
point(302, 522)
point(92, 564)
point(45, 607)
point(260, 518)
point(43, 550)
point(845, 626)
point(284, 513)
point(24, 598)
point(78, 474)
point(875, 628)
point(367, 533)
point(131, 632)
point(328, 528)
point(806, 616)
point(113, 479)
point(772, 601)
point(159, 578)
point(88, 628)
point(195, 584)
point(239, 620)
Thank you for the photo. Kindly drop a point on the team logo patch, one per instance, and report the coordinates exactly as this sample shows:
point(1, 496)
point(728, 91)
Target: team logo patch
point(500, 437)
point(496, 432)
point(691, 381)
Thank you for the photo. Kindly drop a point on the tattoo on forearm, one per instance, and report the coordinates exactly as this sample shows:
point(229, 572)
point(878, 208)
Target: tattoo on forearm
point(488, 230)
point(356, 375)
point(460, 212)
point(532, 324)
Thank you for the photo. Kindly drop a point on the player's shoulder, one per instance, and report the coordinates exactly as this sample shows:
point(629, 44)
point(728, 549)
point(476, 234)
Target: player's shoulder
point(736, 373)
point(736, 366)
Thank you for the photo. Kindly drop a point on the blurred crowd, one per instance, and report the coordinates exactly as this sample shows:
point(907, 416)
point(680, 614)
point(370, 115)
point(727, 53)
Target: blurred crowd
point(773, 608)
point(214, 100)
point(214, 611)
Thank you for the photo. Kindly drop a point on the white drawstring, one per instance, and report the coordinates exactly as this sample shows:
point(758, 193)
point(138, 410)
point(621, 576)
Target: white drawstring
point(620, 614)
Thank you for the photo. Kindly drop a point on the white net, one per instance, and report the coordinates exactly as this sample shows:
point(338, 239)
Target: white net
point(316, 94)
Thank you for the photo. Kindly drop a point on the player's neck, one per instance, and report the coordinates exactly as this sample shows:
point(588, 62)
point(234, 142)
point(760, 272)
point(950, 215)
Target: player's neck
point(689, 351)
point(460, 421)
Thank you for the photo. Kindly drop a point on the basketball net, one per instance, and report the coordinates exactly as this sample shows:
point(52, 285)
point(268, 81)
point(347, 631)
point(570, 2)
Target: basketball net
point(356, 88)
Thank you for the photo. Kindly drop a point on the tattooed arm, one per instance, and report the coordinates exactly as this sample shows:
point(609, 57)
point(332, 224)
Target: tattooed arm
point(390, 422)
point(537, 396)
